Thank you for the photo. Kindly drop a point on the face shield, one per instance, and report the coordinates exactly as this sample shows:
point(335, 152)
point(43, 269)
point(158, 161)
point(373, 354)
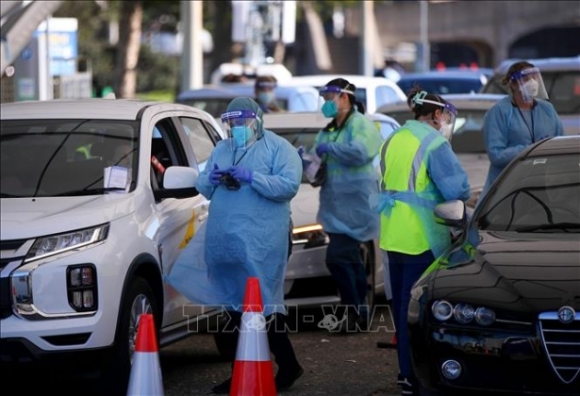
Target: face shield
point(240, 126)
point(530, 84)
point(329, 93)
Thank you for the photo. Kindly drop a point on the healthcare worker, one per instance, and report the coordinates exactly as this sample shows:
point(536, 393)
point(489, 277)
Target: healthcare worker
point(347, 146)
point(419, 170)
point(518, 120)
point(250, 179)
point(265, 91)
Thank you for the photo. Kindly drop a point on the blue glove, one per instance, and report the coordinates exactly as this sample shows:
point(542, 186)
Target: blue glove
point(241, 173)
point(321, 149)
point(215, 175)
point(300, 151)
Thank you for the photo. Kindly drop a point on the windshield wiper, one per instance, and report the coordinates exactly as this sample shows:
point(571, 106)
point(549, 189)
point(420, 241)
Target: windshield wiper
point(556, 226)
point(92, 191)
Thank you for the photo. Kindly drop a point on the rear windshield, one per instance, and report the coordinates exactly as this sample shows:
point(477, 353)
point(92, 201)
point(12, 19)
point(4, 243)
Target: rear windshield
point(563, 88)
point(442, 86)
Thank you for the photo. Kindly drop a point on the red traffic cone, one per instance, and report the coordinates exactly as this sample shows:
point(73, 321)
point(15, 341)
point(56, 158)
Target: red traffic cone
point(146, 372)
point(253, 370)
point(388, 345)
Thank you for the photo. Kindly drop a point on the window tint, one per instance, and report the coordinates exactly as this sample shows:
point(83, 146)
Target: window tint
point(199, 138)
point(442, 86)
point(537, 194)
point(46, 158)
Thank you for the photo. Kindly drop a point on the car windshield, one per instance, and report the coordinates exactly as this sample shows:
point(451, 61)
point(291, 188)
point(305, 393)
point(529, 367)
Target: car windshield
point(47, 158)
point(442, 86)
point(467, 134)
point(563, 89)
point(217, 106)
point(539, 194)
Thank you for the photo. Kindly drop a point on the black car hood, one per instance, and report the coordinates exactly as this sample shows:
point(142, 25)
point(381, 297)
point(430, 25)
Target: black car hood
point(526, 273)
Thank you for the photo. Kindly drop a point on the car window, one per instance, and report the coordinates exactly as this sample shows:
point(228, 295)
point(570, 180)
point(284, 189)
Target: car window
point(199, 138)
point(536, 194)
point(563, 89)
point(442, 86)
point(67, 157)
point(385, 95)
point(214, 106)
point(467, 133)
point(166, 151)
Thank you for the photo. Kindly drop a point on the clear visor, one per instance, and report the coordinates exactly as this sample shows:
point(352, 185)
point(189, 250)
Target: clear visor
point(330, 92)
point(240, 127)
point(530, 84)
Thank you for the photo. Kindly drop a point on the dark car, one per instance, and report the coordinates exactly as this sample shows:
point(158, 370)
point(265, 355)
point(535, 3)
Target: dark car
point(444, 82)
point(500, 310)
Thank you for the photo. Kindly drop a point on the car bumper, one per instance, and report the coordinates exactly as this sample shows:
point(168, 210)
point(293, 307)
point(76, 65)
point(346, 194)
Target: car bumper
point(491, 361)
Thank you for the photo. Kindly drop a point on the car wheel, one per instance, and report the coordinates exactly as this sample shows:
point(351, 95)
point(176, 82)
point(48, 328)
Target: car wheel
point(138, 300)
point(369, 264)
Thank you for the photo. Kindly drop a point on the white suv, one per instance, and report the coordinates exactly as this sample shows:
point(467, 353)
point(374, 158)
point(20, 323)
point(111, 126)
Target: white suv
point(97, 203)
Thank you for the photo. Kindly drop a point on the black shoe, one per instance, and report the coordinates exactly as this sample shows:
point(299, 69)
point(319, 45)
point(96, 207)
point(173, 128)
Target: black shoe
point(223, 388)
point(285, 381)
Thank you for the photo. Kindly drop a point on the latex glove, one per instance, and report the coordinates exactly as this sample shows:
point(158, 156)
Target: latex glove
point(241, 173)
point(300, 151)
point(321, 149)
point(215, 175)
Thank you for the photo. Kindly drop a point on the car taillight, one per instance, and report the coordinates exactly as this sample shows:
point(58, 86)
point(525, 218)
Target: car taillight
point(82, 287)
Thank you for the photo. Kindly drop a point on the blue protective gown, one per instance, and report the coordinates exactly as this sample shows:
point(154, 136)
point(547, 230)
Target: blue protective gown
point(351, 179)
point(246, 233)
point(507, 132)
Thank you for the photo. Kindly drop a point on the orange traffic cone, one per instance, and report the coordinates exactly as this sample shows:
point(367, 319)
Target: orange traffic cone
point(145, 372)
point(388, 345)
point(253, 370)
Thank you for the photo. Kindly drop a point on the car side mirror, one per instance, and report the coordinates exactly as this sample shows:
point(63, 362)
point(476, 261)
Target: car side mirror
point(178, 182)
point(179, 177)
point(451, 213)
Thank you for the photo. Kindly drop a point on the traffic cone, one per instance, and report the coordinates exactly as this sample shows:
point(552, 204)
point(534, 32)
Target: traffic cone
point(146, 372)
point(253, 370)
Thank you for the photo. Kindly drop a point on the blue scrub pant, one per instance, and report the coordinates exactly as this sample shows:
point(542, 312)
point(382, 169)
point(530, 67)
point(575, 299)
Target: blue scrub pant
point(405, 270)
point(344, 262)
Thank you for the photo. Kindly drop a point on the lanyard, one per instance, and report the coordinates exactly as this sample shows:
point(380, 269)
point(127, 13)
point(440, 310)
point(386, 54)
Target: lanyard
point(531, 130)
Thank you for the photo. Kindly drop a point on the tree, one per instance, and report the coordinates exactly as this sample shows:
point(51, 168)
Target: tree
point(130, 23)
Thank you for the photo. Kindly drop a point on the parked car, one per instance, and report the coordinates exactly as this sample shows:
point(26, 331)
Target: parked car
point(562, 80)
point(504, 316)
point(214, 99)
point(308, 282)
point(467, 141)
point(444, 82)
point(97, 201)
point(373, 92)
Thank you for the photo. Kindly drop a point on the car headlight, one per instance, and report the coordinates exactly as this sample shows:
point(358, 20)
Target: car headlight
point(484, 316)
point(463, 313)
point(442, 310)
point(56, 244)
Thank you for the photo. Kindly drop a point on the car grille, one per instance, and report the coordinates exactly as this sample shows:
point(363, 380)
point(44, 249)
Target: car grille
point(562, 345)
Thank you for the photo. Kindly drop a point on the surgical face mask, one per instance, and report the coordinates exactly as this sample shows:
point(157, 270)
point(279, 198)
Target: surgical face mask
point(241, 135)
point(266, 97)
point(531, 88)
point(330, 109)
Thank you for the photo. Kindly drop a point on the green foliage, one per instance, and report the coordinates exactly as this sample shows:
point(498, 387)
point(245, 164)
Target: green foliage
point(164, 96)
point(157, 72)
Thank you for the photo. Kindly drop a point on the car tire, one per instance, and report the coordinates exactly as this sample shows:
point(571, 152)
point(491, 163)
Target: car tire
point(224, 346)
point(366, 252)
point(139, 299)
